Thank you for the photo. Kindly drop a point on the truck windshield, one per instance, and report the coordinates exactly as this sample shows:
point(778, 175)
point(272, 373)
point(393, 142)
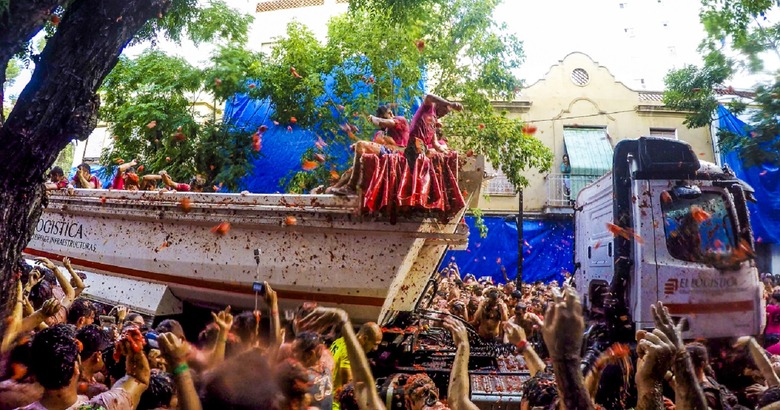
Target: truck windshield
point(700, 229)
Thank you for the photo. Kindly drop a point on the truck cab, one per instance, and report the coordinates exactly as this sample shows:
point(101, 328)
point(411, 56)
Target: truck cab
point(664, 226)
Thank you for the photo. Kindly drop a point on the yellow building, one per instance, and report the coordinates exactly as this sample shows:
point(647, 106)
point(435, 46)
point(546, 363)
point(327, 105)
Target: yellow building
point(582, 111)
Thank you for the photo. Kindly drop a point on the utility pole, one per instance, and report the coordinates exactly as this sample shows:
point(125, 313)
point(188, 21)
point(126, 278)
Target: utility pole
point(519, 278)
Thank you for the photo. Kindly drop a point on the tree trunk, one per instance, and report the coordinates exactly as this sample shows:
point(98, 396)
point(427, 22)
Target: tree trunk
point(59, 104)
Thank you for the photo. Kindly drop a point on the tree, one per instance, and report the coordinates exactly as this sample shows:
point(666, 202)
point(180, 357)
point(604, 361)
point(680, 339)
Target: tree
point(453, 45)
point(744, 27)
point(60, 102)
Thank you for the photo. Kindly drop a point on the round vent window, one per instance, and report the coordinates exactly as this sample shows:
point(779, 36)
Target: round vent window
point(580, 77)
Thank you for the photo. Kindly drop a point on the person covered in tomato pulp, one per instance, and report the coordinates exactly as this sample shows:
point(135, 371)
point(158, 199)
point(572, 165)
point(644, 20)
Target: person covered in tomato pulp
point(423, 135)
point(391, 138)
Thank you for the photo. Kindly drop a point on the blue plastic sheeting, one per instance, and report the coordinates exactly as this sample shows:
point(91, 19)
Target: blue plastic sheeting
point(282, 148)
point(548, 250)
point(765, 179)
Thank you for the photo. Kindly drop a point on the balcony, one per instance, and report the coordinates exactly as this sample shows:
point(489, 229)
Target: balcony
point(562, 190)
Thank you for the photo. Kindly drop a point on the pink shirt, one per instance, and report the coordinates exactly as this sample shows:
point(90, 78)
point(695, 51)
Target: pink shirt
point(399, 133)
point(772, 320)
point(424, 124)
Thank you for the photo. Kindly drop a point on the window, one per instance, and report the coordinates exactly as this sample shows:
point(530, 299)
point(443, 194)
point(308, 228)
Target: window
point(699, 229)
point(580, 77)
point(500, 184)
point(670, 133)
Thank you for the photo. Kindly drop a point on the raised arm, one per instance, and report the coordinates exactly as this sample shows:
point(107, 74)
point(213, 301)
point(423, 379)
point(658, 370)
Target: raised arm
point(516, 336)
point(655, 353)
point(224, 321)
point(137, 371)
point(273, 305)
point(759, 358)
point(562, 331)
point(13, 322)
point(687, 392)
point(382, 122)
point(324, 318)
point(70, 293)
point(443, 107)
point(79, 284)
point(175, 352)
point(458, 394)
point(49, 309)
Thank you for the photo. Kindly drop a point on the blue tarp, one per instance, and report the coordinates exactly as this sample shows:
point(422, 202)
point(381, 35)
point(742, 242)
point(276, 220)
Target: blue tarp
point(548, 250)
point(282, 149)
point(765, 179)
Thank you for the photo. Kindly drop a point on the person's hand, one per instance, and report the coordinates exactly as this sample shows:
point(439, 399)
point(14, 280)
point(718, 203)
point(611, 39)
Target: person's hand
point(456, 106)
point(270, 295)
point(121, 313)
point(33, 279)
point(663, 322)
point(173, 349)
point(458, 330)
point(46, 262)
point(224, 320)
point(655, 352)
point(50, 307)
point(66, 263)
point(514, 333)
point(564, 325)
point(754, 391)
point(742, 342)
point(322, 319)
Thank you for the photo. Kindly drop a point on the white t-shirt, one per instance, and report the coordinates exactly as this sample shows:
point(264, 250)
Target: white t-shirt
point(114, 399)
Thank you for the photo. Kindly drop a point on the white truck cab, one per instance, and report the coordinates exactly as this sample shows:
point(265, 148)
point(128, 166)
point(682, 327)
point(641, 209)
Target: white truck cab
point(664, 226)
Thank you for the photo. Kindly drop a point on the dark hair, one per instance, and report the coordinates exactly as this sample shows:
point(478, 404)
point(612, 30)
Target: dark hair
point(80, 308)
point(245, 326)
point(517, 294)
point(54, 355)
point(345, 396)
point(40, 293)
point(776, 296)
point(208, 336)
point(382, 110)
point(293, 380)
point(171, 326)
point(699, 357)
point(771, 395)
point(244, 382)
point(307, 341)
point(56, 171)
point(85, 166)
point(93, 339)
point(541, 390)
point(21, 354)
point(159, 393)
point(197, 183)
point(116, 368)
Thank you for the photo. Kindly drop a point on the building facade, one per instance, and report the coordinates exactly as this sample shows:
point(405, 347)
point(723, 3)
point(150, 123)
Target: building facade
point(580, 110)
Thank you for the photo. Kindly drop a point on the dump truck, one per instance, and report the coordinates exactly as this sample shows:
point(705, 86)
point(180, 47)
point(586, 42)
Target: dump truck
point(665, 226)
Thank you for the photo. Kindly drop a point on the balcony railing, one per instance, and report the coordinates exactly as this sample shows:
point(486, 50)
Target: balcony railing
point(563, 188)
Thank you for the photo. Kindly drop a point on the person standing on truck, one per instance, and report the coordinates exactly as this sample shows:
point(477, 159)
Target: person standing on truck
point(422, 136)
point(84, 178)
point(392, 138)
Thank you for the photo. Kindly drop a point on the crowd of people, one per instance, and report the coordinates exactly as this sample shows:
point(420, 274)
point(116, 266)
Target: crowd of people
point(62, 351)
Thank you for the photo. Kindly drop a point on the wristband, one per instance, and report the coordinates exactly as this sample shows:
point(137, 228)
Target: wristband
point(521, 346)
point(182, 368)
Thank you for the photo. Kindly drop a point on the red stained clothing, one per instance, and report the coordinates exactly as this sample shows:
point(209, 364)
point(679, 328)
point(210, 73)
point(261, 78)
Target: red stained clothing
point(399, 133)
point(94, 183)
point(772, 319)
point(424, 124)
point(62, 184)
point(183, 187)
point(119, 181)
